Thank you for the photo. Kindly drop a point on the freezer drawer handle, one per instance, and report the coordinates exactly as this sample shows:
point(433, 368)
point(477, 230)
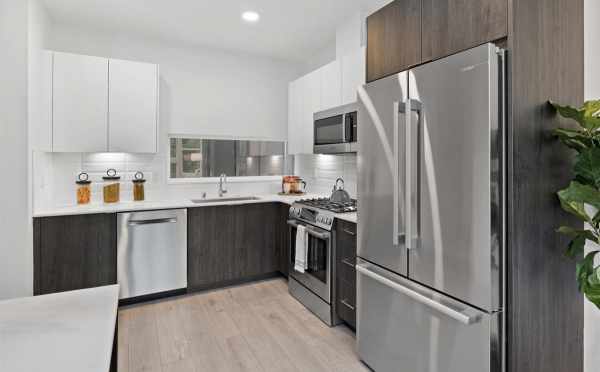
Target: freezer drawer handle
point(347, 304)
point(454, 314)
point(151, 222)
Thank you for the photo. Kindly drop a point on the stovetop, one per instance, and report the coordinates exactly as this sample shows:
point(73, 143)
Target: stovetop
point(328, 205)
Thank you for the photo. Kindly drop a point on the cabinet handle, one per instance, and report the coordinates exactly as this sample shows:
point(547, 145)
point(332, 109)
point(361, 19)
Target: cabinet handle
point(347, 261)
point(349, 232)
point(347, 304)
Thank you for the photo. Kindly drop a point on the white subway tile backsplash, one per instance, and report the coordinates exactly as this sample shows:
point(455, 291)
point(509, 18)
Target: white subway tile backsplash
point(321, 171)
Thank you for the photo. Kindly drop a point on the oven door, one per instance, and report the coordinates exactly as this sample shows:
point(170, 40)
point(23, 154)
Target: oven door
point(317, 277)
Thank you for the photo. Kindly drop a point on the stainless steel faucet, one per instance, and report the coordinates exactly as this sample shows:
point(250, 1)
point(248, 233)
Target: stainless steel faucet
point(222, 180)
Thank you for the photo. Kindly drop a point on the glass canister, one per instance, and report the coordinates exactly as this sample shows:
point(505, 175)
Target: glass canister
point(138, 186)
point(111, 188)
point(84, 189)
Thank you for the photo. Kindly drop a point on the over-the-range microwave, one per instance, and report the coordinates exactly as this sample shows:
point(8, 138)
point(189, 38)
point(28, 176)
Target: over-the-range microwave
point(336, 130)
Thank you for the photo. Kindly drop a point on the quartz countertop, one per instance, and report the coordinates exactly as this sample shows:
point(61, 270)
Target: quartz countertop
point(130, 206)
point(67, 332)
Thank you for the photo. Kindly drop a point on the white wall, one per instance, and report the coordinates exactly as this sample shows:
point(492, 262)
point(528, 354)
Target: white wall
point(16, 277)
point(592, 91)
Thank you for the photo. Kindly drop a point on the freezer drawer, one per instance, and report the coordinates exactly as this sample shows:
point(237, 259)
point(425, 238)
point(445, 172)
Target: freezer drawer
point(404, 327)
point(151, 252)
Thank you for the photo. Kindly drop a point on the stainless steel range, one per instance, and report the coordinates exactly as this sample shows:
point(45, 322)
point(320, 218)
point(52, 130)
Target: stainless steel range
point(315, 286)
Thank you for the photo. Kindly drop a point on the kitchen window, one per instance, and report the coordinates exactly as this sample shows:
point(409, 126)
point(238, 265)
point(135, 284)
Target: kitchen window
point(200, 158)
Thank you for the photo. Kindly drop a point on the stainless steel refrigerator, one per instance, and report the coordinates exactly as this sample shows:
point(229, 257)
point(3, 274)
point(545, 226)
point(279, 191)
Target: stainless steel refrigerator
point(431, 218)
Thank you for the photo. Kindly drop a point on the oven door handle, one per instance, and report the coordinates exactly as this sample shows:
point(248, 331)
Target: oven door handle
point(311, 231)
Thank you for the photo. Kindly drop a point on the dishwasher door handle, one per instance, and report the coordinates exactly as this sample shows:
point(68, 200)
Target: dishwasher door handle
point(152, 222)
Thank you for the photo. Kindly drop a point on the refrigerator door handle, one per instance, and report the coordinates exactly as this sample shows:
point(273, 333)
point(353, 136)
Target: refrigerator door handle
point(411, 106)
point(396, 176)
point(461, 316)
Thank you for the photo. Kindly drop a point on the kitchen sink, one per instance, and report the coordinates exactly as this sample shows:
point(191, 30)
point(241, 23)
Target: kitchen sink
point(217, 200)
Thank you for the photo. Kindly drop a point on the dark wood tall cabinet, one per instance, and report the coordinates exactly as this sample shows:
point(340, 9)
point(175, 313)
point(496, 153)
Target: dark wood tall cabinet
point(74, 252)
point(545, 310)
point(544, 43)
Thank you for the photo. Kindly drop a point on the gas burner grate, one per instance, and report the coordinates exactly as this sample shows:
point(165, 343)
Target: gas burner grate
point(328, 205)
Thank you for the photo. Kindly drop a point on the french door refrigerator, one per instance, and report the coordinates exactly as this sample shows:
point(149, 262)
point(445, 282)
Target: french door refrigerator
point(431, 166)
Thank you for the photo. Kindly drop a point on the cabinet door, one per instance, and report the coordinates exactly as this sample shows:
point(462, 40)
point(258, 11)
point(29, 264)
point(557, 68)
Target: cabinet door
point(283, 249)
point(346, 272)
point(331, 85)
point(294, 117)
point(451, 26)
point(311, 99)
point(353, 74)
point(211, 246)
point(80, 103)
point(255, 240)
point(133, 106)
point(74, 252)
point(393, 38)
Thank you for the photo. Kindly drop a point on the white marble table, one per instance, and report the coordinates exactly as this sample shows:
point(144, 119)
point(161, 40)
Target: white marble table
point(67, 332)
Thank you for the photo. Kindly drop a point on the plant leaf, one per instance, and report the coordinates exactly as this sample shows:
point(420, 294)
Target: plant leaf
point(585, 117)
point(574, 197)
point(591, 108)
point(592, 291)
point(585, 268)
point(575, 139)
point(587, 166)
point(576, 247)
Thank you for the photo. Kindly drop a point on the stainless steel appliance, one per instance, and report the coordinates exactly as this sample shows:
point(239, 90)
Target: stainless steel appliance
point(336, 130)
point(151, 252)
point(431, 225)
point(315, 287)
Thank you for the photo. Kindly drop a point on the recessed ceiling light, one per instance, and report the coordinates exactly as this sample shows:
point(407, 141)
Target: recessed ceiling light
point(250, 16)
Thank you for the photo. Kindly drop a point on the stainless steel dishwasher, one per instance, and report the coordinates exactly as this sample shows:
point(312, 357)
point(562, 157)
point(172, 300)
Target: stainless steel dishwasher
point(152, 252)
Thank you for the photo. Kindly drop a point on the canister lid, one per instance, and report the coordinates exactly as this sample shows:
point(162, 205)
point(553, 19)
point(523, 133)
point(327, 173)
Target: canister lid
point(111, 175)
point(83, 179)
point(138, 178)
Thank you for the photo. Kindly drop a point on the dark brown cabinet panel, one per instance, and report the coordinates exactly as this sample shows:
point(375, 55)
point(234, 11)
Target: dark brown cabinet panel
point(393, 38)
point(345, 271)
point(74, 252)
point(283, 247)
point(451, 26)
point(229, 244)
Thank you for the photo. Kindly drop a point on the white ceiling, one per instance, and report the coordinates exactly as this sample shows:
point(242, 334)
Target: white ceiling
point(288, 29)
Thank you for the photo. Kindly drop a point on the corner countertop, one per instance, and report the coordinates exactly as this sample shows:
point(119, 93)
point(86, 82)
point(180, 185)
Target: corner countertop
point(68, 332)
point(130, 206)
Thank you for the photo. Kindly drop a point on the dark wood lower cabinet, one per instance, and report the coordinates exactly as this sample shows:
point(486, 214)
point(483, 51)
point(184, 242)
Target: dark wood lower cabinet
point(230, 244)
point(74, 252)
point(283, 243)
point(345, 262)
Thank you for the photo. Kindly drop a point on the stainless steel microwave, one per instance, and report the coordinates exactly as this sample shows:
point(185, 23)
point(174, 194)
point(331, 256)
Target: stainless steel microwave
point(336, 130)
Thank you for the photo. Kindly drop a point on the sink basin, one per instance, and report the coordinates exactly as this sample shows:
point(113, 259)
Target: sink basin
point(217, 200)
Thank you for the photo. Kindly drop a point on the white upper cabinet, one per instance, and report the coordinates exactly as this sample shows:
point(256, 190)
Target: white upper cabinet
point(312, 95)
point(331, 85)
point(294, 117)
point(353, 74)
point(133, 106)
point(80, 103)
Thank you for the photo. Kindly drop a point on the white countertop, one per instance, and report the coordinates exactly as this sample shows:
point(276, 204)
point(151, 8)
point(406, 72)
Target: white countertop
point(63, 332)
point(173, 204)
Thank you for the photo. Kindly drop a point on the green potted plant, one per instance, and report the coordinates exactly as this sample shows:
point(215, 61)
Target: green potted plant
point(582, 197)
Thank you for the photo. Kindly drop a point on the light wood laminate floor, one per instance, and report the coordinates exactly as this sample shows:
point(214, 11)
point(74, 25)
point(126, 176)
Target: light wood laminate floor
point(255, 327)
